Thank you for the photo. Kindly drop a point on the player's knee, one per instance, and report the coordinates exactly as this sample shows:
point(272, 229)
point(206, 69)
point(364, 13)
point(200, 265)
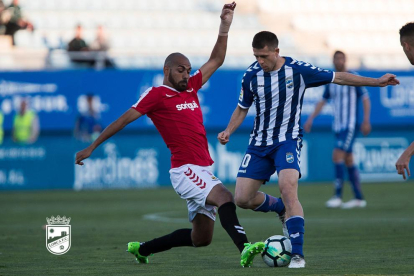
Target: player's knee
point(228, 196)
point(288, 194)
point(349, 161)
point(338, 156)
point(242, 202)
point(225, 196)
point(219, 196)
point(205, 241)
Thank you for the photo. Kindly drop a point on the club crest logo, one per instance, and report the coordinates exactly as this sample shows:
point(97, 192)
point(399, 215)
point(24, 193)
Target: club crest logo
point(289, 83)
point(58, 235)
point(289, 157)
point(213, 177)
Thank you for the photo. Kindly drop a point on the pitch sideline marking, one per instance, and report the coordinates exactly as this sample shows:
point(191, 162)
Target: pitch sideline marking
point(165, 217)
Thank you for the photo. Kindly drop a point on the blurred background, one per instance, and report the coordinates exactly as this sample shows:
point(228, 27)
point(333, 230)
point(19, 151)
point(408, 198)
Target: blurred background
point(75, 66)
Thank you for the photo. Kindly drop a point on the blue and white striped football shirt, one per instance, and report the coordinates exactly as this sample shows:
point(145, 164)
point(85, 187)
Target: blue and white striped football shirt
point(278, 97)
point(345, 101)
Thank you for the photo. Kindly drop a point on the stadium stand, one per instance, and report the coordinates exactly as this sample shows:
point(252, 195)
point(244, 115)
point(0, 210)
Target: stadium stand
point(142, 32)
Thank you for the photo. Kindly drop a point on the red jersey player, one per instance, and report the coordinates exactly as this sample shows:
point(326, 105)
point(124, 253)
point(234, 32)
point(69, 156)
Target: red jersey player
point(175, 110)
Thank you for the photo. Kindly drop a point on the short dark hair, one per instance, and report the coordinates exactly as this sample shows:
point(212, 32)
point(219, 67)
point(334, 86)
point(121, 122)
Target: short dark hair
point(263, 39)
point(337, 52)
point(407, 31)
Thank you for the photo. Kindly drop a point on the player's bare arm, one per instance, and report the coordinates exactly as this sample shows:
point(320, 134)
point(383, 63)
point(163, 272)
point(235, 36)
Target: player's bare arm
point(403, 163)
point(219, 51)
point(309, 121)
point(344, 78)
point(237, 118)
point(126, 118)
point(366, 123)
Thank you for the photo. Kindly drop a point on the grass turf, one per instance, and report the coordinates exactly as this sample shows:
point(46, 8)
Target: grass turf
point(371, 241)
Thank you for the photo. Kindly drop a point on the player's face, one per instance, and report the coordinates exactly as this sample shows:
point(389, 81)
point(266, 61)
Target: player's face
point(339, 61)
point(179, 74)
point(266, 57)
point(408, 50)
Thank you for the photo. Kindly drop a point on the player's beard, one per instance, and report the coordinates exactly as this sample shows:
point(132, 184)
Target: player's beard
point(179, 86)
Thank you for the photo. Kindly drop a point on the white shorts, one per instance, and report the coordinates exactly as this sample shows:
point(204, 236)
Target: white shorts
point(193, 183)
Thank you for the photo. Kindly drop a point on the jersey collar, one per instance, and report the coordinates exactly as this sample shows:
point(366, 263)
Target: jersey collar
point(170, 88)
point(188, 90)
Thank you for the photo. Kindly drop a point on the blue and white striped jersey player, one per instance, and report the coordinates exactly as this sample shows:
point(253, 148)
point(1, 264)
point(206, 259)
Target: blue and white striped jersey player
point(345, 100)
point(275, 86)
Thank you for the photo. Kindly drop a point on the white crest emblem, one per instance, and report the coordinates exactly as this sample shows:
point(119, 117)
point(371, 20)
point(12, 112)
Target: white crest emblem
point(58, 235)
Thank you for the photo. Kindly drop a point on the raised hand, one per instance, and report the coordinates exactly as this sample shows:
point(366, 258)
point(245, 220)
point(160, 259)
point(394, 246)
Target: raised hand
point(227, 14)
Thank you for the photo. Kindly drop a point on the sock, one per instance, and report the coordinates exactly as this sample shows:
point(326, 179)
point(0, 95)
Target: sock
point(355, 183)
point(339, 178)
point(296, 229)
point(180, 237)
point(230, 223)
point(271, 203)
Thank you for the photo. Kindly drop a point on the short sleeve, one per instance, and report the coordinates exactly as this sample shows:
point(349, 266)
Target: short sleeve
point(315, 76)
point(196, 80)
point(327, 92)
point(246, 95)
point(147, 102)
point(362, 92)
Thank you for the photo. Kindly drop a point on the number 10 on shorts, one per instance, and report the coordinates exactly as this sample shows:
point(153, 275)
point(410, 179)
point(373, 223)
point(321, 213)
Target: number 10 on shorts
point(246, 160)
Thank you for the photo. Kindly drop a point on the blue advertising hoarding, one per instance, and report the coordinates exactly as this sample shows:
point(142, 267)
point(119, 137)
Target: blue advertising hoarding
point(138, 157)
point(58, 97)
point(142, 160)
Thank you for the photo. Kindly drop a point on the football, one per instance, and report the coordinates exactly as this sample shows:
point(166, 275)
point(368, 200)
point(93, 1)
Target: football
point(277, 251)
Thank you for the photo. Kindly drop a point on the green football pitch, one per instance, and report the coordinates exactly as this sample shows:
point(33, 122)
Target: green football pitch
point(377, 240)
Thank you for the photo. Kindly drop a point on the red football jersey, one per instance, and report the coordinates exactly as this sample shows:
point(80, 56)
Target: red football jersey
point(178, 118)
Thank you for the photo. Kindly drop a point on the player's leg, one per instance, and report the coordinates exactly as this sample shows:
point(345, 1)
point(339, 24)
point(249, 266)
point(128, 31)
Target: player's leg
point(353, 172)
point(353, 176)
point(358, 200)
point(203, 191)
point(295, 222)
point(338, 158)
point(255, 169)
point(203, 228)
point(200, 235)
point(287, 162)
point(194, 190)
point(141, 250)
point(223, 199)
point(247, 196)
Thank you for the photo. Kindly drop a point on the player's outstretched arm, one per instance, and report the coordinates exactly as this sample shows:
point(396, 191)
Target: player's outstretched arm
point(308, 125)
point(403, 163)
point(219, 51)
point(237, 118)
point(126, 118)
point(344, 78)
